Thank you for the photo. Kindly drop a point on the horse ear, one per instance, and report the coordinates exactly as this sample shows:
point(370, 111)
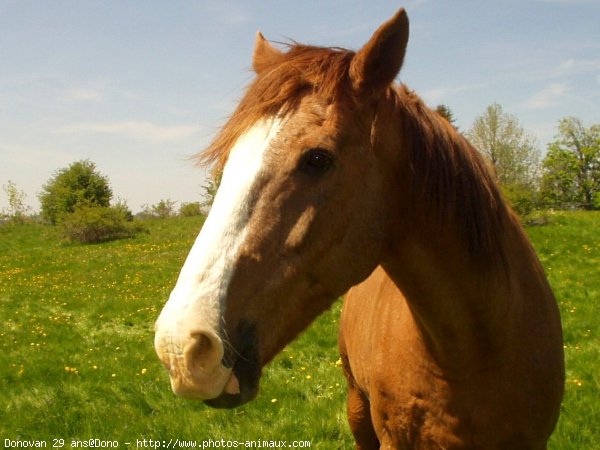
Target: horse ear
point(264, 54)
point(375, 66)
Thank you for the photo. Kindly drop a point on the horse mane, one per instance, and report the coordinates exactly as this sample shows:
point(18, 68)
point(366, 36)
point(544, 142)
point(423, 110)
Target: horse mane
point(452, 182)
point(278, 90)
point(450, 178)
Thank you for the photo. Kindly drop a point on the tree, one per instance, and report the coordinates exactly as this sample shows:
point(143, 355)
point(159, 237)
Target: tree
point(210, 187)
point(512, 153)
point(510, 149)
point(571, 169)
point(161, 210)
point(164, 209)
point(17, 210)
point(446, 113)
point(77, 185)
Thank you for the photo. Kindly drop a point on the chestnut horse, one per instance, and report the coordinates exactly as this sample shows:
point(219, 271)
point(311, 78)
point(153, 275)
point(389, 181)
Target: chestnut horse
point(333, 175)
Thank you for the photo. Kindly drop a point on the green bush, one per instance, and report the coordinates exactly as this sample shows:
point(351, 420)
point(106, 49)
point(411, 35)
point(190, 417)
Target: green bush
point(190, 209)
point(74, 186)
point(91, 224)
point(122, 206)
point(522, 198)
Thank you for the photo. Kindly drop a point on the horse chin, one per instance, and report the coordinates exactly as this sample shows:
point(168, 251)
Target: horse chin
point(229, 401)
point(236, 393)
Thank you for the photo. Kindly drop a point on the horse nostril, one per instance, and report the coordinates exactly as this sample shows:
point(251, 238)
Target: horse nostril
point(203, 352)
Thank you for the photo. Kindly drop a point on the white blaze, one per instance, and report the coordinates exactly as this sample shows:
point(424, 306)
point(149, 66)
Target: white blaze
point(197, 301)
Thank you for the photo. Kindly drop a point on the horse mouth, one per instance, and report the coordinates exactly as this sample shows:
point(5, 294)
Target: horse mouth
point(243, 384)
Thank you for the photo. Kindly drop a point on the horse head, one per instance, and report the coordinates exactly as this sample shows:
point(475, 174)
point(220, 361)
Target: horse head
point(300, 215)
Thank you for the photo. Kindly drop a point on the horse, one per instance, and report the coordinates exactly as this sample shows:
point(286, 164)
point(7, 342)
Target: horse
point(334, 176)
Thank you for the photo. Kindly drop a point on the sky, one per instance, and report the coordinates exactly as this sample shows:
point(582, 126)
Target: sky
point(138, 87)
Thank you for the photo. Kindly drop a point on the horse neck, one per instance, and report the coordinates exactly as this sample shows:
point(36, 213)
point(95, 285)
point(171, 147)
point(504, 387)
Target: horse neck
point(459, 287)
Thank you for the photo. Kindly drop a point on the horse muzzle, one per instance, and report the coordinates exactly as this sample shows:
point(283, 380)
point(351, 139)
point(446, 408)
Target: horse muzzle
point(195, 363)
point(202, 367)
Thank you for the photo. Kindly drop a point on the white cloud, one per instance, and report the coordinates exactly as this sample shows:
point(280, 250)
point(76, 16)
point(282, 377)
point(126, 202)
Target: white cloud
point(436, 96)
point(565, 67)
point(94, 91)
point(549, 96)
point(84, 95)
point(574, 66)
point(139, 130)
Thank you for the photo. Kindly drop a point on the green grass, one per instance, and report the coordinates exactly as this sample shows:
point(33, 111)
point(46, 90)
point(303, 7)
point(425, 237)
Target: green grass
point(569, 249)
point(77, 362)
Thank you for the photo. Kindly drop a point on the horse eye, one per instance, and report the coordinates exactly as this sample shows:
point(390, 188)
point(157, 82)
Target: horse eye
point(316, 161)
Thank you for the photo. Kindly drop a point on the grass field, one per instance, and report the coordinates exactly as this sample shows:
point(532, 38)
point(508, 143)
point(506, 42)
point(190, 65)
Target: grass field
point(77, 363)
